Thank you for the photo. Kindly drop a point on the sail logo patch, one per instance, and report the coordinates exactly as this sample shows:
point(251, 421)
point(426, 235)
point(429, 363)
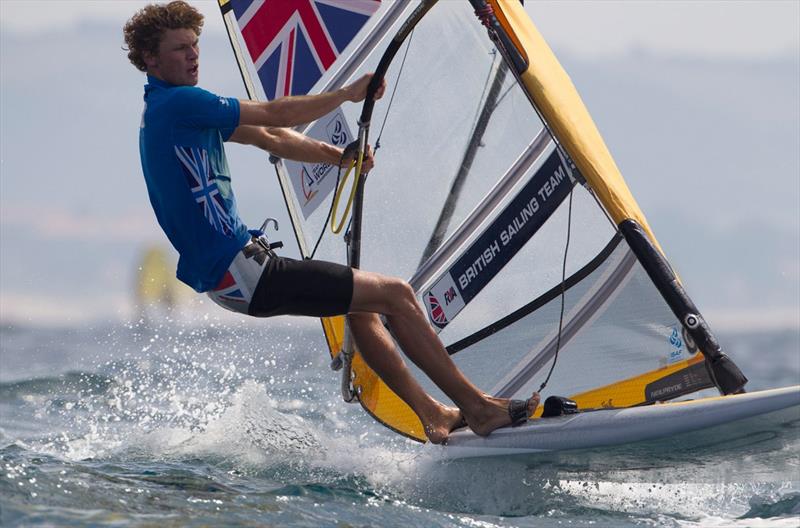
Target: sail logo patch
point(337, 131)
point(677, 349)
point(450, 295)
point(312, 182)
point(443, 301)
point(481, 262)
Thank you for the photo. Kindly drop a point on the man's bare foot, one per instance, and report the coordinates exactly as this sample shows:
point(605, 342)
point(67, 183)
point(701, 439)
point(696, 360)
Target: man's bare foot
point(438, 427)
point(494, 414)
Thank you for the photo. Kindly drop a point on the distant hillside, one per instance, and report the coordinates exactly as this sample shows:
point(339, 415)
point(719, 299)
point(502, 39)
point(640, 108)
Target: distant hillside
point(709, 147)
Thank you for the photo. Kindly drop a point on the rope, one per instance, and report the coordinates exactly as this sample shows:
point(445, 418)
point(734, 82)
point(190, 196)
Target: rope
point(340, 189)
point(330, 210)
point(493, 53)
point(563, 293)
point(500, 99)
point(394, 91)
point(486, 15)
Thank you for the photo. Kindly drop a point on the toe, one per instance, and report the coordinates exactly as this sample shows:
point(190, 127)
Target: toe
point(533, 403)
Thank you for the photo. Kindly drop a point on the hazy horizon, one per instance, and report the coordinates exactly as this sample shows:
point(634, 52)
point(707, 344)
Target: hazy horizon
point(708, 142)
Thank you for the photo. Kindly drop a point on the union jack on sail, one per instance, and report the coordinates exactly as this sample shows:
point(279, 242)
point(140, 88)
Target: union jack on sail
point(202, 183)
point(436, 312)
point(292, 43)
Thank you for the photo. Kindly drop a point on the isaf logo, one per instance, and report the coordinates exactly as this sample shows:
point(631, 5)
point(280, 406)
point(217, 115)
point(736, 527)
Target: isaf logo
point(681, 344)
point(675, 339)
point(337, 132)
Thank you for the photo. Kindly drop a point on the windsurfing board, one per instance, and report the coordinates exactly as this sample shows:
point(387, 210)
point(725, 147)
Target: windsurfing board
point(609, 427)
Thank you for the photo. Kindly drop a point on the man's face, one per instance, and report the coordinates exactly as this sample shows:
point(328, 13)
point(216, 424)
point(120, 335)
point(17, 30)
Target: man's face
point(177, 59)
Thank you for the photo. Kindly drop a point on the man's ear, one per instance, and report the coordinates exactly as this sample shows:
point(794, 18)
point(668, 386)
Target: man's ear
point(150, 59)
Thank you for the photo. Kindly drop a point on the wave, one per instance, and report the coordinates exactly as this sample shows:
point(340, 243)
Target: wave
point(216, 418)
point(67, 383)
point(770, 507)
point(250, 428)
point(260, 447)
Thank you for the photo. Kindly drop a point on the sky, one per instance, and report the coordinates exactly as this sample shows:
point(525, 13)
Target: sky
point(657, 76)
point(732, 28)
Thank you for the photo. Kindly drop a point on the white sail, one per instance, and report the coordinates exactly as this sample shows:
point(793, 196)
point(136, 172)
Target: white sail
point(532, 269)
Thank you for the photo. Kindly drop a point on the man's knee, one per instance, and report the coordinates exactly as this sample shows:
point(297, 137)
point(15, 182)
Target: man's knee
point(401, 294)
point(381, 293)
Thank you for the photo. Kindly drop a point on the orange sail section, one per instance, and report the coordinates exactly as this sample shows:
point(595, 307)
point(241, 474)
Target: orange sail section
point(373, 394)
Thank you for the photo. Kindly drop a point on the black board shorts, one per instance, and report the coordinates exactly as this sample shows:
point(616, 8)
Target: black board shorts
point(302, 287)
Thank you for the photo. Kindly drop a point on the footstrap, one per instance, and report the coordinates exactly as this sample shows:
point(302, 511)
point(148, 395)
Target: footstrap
point(518, 411)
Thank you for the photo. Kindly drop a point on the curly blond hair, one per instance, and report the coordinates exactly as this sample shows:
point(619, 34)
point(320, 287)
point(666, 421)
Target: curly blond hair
point(144, 30)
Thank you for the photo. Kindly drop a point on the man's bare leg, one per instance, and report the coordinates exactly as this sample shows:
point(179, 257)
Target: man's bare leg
point(395, 299)
point(378, 350)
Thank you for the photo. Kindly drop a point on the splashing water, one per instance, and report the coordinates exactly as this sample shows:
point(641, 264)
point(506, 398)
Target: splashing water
point(237, 423)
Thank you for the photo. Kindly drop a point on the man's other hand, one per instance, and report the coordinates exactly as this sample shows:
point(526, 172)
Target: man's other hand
point(357, 91)
point(366, 164)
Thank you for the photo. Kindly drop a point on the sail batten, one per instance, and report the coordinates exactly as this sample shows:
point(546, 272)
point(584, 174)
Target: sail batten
point(449, 247)
point(481, 121)
point(595, 300)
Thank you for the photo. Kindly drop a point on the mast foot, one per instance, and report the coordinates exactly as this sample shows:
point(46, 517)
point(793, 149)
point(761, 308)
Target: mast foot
point(726, 375)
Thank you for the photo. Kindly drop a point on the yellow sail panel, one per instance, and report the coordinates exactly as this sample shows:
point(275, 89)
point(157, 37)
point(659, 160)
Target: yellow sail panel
point(334, 333)
point(562, 108)
point(155, 280)
point(630, 392)
point(373, 394)
point(383, 404)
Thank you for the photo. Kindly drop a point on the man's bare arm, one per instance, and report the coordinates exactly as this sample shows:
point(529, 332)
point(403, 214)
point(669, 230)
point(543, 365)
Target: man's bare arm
point(302, 109)
point(288, 144)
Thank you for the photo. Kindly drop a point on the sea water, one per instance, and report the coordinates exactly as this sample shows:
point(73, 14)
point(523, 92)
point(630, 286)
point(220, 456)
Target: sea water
point(210, 423)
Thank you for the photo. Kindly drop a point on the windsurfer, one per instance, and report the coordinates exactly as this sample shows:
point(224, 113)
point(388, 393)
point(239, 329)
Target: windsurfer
point(183, 160)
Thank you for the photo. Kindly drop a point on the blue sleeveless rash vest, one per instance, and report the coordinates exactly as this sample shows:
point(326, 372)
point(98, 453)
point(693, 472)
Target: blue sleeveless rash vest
point(181, 147)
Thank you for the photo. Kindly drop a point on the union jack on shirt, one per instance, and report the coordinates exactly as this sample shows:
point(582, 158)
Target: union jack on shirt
point(202, 182)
